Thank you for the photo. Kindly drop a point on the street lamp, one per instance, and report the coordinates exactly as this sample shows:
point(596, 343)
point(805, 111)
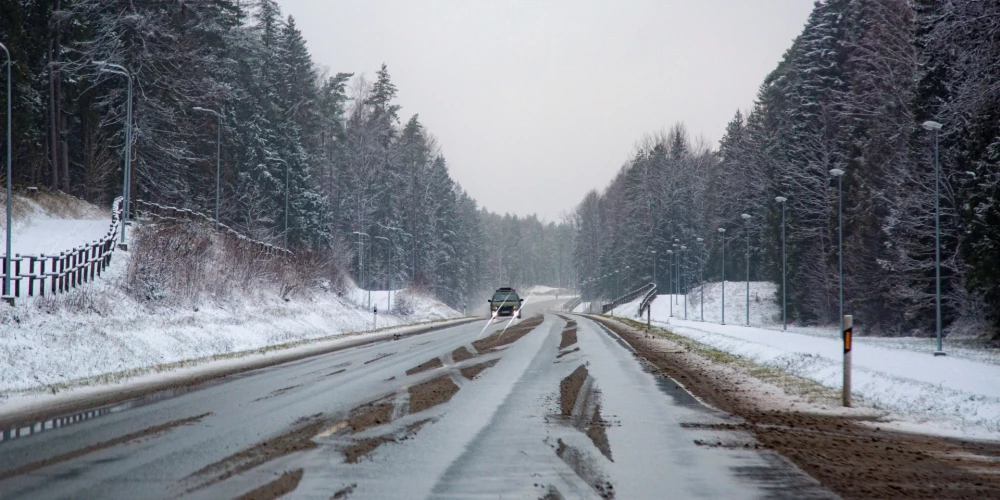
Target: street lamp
point(670, 256)
point(701, 275)
point(10, 194)
point(936, 127)
point(839, 174)
point(682, 290)
point(218, 157)
point(126, 188)
point(722, 231)
point(784, 304)
point(746, 217)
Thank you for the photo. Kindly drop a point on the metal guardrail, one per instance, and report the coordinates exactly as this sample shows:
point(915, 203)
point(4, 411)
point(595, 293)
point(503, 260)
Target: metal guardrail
point(164, 212)
point(628, 297)
point(571, 304)
point(647, 300)
point(61, 273)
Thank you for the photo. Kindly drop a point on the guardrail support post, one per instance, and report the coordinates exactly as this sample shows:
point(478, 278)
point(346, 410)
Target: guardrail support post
point(847, 334)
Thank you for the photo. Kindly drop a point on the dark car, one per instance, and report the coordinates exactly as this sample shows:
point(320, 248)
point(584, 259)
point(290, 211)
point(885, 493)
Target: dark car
point(505, 302)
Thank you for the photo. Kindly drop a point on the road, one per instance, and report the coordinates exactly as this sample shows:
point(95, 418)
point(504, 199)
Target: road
point(554, 407)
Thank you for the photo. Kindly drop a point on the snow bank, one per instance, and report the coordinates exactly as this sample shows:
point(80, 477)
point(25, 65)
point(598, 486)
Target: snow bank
point(49, 223)
point(99, 330)
point(98, 333)
point(947, 395)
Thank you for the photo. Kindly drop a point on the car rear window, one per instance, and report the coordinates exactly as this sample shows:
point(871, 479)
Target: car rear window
point(505, 297)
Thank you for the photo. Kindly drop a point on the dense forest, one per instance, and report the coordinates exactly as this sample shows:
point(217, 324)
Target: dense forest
point(851, 93)
point(361, 183)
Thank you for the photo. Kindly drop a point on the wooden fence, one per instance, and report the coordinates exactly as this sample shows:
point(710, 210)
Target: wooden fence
point(150, 209)
point(32, 275)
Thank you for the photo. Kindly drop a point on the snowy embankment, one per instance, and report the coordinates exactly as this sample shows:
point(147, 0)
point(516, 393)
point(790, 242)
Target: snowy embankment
point(98, 333)
point(958, 394)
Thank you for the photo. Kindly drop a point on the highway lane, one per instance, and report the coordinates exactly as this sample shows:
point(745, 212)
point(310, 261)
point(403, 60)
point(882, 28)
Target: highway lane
point(549, 409)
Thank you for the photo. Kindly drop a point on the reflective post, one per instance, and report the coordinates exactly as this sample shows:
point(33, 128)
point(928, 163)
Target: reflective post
point(847, 334)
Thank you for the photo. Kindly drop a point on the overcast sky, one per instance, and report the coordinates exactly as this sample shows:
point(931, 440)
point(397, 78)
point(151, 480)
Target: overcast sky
point(553, 95)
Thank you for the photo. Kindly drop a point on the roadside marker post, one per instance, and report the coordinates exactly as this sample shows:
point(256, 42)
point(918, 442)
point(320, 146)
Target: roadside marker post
point(847, 334)
point(648, 307)
point(375, 319)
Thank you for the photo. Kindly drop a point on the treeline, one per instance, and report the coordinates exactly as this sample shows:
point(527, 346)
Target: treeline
point(851, 93)
point(328, 153)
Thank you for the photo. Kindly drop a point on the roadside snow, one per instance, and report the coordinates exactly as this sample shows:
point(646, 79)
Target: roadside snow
point(944, 395)
point(97, 333)
point(51, 224)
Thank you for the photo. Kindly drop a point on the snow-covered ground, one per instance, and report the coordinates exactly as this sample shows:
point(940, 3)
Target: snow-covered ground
point(97, 333)
point(49, 224)
point(958, 394)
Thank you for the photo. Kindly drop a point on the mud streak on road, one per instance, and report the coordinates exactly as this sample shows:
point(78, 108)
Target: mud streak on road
point(431, 393)
point(370, 415)
point(470, 372)
point(428, 365)
point(277, 488)
point(300, 438)
point(569, 390)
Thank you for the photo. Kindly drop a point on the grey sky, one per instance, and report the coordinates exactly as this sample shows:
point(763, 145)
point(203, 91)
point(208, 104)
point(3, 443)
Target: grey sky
point(554, 93)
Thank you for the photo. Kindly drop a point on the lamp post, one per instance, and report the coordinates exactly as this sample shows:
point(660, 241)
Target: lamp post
point(722, 231)
point(936, 127)
point(682, 289)
point(218, 158)
point(784, 303)
point(701, 275)
point(6, 256)
point(839, 174)
point(126, 188)
point(670, 265)
point(618, 283)
point(746, 217)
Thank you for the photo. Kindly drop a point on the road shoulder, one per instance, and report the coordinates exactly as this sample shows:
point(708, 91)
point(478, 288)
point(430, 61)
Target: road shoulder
point(844, 449)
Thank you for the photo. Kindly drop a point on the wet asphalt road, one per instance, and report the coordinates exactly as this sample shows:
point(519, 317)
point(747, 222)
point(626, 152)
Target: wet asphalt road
point(630, 434)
